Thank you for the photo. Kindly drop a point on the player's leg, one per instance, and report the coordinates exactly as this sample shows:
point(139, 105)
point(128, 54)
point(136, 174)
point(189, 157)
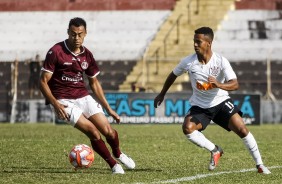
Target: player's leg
point(94, 112)
point(191, 130)
point(79, 121)
point(102, 124)
point(98, 145)
point(237, 125)
point(111, 135)
point(195, 121)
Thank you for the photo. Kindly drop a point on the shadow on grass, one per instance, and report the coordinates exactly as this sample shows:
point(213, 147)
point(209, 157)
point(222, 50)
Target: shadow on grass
point(51, 170)
point(143, 170)
point(69, 170)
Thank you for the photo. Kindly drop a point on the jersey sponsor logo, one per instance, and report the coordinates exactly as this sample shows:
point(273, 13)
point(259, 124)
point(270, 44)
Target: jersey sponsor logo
point(84, 65)
point(75, 79)
point(67, 63)
point(203, 85)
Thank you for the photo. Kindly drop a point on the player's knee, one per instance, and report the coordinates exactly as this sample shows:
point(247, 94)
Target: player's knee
point(188, 127)
point(109, 132)
point(242, 131)
point(93, 134)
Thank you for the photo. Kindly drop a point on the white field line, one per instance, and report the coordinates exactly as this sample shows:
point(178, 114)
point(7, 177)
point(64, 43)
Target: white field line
point(198, 176)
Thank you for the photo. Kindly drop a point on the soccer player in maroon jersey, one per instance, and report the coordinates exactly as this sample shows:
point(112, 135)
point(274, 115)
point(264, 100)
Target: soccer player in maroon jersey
point(63, 87)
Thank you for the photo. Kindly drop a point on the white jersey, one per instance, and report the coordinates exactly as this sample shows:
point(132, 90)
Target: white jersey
point(204, 95)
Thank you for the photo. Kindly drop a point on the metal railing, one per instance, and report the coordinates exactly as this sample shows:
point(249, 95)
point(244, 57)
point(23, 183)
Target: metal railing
point(156, 53)
point(269, 95)
point(189, 9)
point(175, 24)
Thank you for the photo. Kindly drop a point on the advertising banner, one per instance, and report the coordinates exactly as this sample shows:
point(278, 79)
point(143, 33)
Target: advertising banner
point(139, 107)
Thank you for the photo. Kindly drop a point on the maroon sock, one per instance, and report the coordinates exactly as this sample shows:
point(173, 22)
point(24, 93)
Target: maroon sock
point(100, 147)
point(114, 143)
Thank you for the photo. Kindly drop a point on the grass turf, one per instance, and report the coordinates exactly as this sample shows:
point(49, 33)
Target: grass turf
point(36, 153)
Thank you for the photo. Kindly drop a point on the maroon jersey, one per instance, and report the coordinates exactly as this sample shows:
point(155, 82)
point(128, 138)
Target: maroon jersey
point(67, 71)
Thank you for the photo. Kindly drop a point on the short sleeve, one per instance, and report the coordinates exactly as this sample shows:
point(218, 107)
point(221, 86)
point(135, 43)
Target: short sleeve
point(180, 68)
point(228, 70)
point(93, 69)
point(50, 61)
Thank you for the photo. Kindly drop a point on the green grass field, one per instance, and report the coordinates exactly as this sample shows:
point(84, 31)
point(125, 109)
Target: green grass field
point(36, 153)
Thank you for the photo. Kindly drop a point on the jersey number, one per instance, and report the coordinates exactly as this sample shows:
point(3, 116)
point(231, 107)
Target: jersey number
point(230, 106)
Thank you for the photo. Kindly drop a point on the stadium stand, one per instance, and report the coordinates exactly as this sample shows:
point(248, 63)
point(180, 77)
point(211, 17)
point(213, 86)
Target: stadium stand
point(84, 5)
point(246, 32)
point(174, 40)
point(118, 33)
point(250, 35)
point(142, 40)
point(112, 35)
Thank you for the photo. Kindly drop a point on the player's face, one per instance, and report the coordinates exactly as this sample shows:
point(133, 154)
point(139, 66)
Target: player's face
point(76, 36)
point(201, 44)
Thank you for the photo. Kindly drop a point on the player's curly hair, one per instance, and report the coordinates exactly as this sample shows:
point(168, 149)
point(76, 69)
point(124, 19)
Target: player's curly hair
point(77, 21)
point(207, 31)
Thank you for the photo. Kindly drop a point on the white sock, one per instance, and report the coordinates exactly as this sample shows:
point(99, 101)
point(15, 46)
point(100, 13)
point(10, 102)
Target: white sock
point(200, 140)
point(252, 146)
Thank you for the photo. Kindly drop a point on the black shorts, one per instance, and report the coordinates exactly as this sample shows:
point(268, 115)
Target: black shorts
point(219, 114)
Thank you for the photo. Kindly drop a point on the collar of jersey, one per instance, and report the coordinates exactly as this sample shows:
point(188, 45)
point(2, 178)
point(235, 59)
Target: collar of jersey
point(72, 52)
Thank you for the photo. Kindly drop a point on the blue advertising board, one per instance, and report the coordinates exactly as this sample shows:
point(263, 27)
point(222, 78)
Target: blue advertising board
point(139, 107)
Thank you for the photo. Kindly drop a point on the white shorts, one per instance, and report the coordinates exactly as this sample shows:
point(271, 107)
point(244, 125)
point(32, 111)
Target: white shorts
point(85, 105)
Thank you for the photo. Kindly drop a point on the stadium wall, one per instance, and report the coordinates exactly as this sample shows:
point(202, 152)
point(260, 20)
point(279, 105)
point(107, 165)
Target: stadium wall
point(85, 5)
point(64, 5)
point(137, 108)
point(259, 4)
point(136, 21)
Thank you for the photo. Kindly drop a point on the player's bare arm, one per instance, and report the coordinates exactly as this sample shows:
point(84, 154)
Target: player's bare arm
point(99, 94)
point(169, 81)
point(231, 85)
point(59, 108)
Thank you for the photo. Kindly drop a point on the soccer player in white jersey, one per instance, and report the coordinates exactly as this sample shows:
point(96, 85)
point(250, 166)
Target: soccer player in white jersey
point(63, 86)
point(211, 77)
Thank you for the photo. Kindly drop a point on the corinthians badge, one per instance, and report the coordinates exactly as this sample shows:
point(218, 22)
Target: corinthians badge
point(214, 71)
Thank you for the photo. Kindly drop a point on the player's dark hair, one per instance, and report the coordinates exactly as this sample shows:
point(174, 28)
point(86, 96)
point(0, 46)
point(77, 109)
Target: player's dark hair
point(206, 31)
point(77, 21)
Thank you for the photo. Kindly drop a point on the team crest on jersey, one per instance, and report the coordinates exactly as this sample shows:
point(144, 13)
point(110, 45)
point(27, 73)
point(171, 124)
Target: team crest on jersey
point(214, 71)
point(84, 65)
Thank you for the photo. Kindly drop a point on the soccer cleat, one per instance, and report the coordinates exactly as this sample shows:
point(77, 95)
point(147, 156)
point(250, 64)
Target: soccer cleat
point(126, 161)
point(117, 169)
point(262, 169)
point(215, 158)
